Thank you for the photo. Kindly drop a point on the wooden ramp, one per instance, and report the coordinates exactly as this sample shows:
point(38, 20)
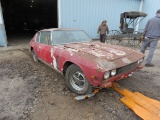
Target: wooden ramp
point(144, 107)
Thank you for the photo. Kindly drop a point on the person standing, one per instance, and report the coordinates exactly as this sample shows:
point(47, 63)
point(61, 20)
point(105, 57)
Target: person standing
point(151, 35)
point(103, 28)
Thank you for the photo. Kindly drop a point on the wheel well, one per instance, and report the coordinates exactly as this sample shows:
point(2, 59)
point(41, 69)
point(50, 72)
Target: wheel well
point(66, 65)
point(31, 48)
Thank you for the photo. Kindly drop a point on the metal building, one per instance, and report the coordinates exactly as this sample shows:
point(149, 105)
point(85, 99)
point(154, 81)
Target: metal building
point(3, 39)
point(150, 7)
point(88, 14)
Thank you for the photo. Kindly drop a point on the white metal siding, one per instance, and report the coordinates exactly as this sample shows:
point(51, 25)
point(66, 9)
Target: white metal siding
point(3, 39)
point(150, 7)
point(88, 14)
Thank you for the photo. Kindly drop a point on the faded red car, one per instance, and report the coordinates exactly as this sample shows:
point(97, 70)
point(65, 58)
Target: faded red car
point(84, 64)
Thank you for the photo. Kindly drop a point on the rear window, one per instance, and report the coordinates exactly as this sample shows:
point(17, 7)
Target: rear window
point(45, 37)
point(37, 38)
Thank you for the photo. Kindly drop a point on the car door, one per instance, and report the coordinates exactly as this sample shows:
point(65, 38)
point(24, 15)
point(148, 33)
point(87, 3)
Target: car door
point(56, 50)
point(45, 47)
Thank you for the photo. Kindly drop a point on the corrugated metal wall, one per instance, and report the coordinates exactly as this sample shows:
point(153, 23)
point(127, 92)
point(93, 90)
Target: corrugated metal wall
point(150, 7)
point(3, 40)
point(88, 14)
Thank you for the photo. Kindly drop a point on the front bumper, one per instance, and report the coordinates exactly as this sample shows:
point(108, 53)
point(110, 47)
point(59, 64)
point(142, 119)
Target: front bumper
point(107, 83)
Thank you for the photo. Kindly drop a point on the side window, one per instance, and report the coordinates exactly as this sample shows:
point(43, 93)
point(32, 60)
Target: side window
point(55, 37)
point(37, 38)
point(45, 37)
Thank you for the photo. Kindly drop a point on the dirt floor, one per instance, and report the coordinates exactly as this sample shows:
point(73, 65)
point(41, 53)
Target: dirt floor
point(33, 91)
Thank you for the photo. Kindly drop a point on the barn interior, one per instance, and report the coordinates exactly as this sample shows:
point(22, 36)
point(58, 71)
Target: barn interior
point(23, 18)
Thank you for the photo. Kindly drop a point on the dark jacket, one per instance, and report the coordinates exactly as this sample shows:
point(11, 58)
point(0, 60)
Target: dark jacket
point(102, 29)
point(152, 28)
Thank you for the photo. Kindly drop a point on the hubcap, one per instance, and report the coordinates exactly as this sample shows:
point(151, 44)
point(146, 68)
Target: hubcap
point(78, 81)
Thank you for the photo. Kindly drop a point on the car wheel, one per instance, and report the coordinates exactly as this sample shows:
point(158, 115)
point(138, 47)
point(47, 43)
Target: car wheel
point(35, 58)
point(76, 80)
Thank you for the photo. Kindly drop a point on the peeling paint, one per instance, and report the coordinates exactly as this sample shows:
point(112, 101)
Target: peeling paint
point(96, 53)
point(99, 67)
point(98, 46)
point(61, 47)
point(86, 44)
point(126, 60)
point(95, 49)
point(71, 51)
point(103, 64)
point(54, 63)
point(118, 52)
point(110, 56)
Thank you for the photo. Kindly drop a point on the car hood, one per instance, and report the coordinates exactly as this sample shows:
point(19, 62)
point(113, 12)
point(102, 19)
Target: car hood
point(100, 50)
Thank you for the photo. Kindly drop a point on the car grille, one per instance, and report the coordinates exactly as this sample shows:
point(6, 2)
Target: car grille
point(127, 68)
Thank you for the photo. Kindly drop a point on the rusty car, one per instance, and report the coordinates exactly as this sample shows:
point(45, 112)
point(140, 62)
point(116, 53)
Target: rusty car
point(84, 63)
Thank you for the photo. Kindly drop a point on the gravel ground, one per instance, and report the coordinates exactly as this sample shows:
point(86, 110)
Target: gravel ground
point(33, 91)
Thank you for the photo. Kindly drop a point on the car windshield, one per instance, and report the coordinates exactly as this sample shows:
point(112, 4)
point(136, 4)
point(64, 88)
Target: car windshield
point(69, 36)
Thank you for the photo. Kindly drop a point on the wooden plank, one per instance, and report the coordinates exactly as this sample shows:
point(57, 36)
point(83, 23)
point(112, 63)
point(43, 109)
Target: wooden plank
point(140, 111)
point(136, 99)
point(150, 100)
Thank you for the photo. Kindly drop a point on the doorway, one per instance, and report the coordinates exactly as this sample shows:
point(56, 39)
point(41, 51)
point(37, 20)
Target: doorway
point(23, 18)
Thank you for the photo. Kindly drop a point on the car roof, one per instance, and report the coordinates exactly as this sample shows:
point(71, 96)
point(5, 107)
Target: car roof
point(59, 29)
point(133, 14)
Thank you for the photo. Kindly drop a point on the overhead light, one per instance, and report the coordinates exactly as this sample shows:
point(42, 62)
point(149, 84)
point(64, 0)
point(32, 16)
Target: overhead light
point(32, 1)
point(31, 5)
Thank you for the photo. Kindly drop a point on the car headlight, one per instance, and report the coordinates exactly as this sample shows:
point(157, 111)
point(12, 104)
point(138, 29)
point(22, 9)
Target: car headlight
point(140, 61)
point(113, 72)
point(106, 75)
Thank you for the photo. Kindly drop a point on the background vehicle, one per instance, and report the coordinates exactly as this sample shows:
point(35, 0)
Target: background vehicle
point(128, 22)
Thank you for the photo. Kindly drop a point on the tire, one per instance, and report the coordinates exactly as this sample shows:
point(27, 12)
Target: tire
point(35, 58)
point(76, 80)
